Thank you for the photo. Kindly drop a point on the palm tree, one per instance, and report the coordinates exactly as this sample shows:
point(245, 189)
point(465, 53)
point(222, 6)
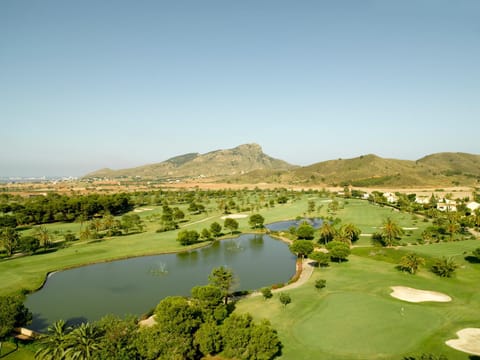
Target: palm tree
point(411, 262)
point(53, 345)
point(83, 342)
point(390, 231)
point(452, 227)
point(327, 232)
point(43, 235)
point(350, 232)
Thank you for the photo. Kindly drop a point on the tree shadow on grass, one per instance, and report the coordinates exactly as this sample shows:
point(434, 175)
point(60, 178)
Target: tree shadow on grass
point(9, 352)
point(473, 260)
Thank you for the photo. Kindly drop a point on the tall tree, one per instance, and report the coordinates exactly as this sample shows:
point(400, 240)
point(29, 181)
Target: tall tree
point(391, 231)
point(216, 229)
point(9, 239)
point(230, 224)
point(12, 314)
point(305, 231)
point(338, 250)
point(302, 248)
point(43, 235)
point(327, 232)
point(256, 221)
point(350, 232)
point(222, 277)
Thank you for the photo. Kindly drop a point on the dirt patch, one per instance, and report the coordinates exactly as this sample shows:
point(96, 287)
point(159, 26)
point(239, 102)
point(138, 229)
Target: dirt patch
point(468, 341)
point(415, 295)
point(234, 216)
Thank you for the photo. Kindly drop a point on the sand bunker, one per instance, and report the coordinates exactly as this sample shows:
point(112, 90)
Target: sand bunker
point(234, 216)
point(414, 295)
point(139, 210)
point(468, 341)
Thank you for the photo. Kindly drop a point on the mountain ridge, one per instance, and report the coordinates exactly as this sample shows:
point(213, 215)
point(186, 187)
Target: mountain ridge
point(221, 162)
point(248, 164)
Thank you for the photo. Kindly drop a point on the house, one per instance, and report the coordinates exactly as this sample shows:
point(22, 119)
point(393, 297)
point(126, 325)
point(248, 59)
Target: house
point(391, 198)
point(422, 200)
point(447, 205)
point(473, 206)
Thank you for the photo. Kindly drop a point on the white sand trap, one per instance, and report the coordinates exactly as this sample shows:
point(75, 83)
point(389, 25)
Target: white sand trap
point(415, 296)
point(468, 341)
point(234, 216)
point(139, 210)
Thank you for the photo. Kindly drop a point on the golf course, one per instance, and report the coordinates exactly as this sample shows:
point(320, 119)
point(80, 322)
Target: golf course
point(354, 316)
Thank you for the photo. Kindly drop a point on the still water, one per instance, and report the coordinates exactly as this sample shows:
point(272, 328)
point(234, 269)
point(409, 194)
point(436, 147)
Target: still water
point(134, 286)
point(286, 225)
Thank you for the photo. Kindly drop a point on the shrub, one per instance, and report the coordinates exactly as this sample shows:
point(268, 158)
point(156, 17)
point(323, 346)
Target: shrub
point(266, 292)
point(444, 267)
point(320, 284)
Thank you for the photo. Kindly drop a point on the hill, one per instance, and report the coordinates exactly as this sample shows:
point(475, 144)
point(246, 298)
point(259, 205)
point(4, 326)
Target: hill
point(229, 162)
point(441, 169)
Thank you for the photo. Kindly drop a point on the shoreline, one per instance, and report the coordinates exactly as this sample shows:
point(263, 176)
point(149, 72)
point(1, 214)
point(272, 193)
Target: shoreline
point(206, 244)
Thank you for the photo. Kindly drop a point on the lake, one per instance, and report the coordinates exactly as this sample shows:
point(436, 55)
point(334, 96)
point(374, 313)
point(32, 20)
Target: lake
point(286, 225)
point(136, 285)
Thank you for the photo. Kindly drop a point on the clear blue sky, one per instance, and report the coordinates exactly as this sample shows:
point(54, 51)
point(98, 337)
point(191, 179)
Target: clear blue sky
point(91, 84)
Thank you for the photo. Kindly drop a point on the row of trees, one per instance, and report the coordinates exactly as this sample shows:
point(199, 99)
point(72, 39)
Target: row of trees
point(55, 207)
point(41, 237)
point(193, 328)
point(444, 267)
point(189, 237)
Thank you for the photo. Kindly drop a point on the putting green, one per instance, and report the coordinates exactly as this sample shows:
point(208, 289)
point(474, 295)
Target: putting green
point(358, 324)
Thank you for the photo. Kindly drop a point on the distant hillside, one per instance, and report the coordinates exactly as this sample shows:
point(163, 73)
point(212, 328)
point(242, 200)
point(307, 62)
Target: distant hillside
point(440, 169)
point(230, 162)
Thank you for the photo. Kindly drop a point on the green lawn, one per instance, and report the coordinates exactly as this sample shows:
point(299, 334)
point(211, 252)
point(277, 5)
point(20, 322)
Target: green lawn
point(10, 352)
point(355, 317)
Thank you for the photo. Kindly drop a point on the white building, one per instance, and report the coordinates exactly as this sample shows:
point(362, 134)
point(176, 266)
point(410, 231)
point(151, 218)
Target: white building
point(391, 198)
point(473, 206)
point(447, 205)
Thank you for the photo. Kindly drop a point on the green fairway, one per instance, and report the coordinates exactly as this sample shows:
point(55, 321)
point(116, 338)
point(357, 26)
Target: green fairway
point(373, 325)
point(355, 317)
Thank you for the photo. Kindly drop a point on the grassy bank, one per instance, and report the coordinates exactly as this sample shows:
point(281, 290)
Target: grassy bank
point(355, 317)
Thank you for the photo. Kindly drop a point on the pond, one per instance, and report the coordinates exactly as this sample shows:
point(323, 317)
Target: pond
point(136, 285)
point(286, 225)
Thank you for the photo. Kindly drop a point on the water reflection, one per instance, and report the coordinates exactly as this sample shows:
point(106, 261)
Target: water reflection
point(134, 286)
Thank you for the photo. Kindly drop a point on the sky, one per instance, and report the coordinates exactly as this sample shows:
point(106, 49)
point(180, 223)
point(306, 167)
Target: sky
point(91, 84)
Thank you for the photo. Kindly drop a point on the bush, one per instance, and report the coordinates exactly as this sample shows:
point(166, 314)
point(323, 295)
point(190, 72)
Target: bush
point(266, 292)
point(444, 267)
point(322, 259)
point(339, 251)
point(320, 284)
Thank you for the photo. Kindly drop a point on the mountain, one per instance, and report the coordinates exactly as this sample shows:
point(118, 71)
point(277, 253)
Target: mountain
point(248, 164)
point(229, 162)
point(441, 169)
